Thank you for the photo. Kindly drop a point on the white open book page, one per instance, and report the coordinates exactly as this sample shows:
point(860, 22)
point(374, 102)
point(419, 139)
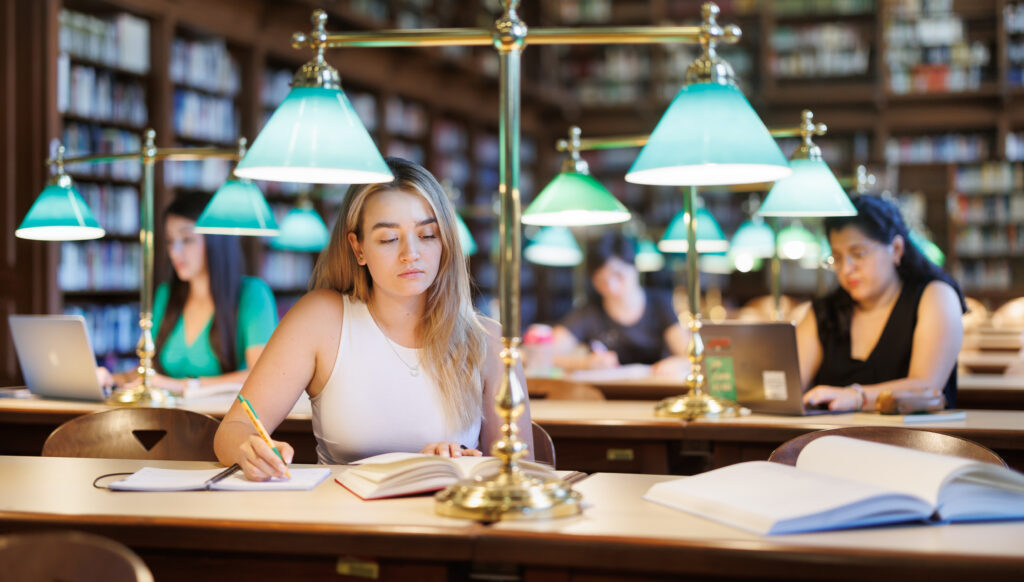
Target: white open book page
point(770, 498)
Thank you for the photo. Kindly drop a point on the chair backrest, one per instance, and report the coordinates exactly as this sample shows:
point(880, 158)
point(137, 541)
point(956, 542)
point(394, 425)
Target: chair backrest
point(922, 440)
point(543, 446)
point(136, 433)
point(1009, 314)
point(555, 389)
point(69, 556)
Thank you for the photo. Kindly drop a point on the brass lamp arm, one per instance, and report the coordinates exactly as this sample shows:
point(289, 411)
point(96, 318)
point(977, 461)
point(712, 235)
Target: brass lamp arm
point(174, 154)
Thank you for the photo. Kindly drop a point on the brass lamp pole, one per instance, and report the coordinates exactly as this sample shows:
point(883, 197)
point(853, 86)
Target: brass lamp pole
point(144, 394)
point(510, 494)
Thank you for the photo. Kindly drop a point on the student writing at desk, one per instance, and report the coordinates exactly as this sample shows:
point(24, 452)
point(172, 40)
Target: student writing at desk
point(894, 322)
point(210, 322)
point(622, 322)
point(387, 344)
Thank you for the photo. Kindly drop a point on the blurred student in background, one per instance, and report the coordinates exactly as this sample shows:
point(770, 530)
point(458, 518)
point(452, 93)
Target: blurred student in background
point(621, 322)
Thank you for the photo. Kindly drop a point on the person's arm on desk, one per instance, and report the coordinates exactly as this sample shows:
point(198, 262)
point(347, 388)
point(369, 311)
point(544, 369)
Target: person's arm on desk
point(677, 365)
point(937, 340)
point(568, 357)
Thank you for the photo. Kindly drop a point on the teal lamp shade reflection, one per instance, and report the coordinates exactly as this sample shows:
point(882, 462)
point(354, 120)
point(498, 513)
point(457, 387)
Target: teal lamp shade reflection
point(574, 199)
point(554, 246)
point(238, 208)
point(930, 250)
point(754, 238)
point(820, 257)
point(302, 229)
point(709, 135)
point(465, 237)
point(648, 258)
point(60, 213)
point(314, 136)
point(716, 263)
point(796, 242)
point(811, 190)
point(710, 238)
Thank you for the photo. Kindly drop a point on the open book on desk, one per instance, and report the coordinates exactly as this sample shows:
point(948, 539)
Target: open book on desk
point(839, 482)
point(398, 474)
point(230, 479)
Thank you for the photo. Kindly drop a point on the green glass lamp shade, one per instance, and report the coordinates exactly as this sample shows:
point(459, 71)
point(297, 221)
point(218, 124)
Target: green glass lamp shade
point(746, 263)
point(314, 136)
point(238, 208)
point(811, 190)
point(930, 250)
point(709, 135)
point(716, 263)
point(554, 246)
point(710, 238)
point(302, 229)
point(648, 258)
point(819, 258)
point(574, 199)
point(754, 238)
point(796, 242)
point(60, 213)
point(465, 237)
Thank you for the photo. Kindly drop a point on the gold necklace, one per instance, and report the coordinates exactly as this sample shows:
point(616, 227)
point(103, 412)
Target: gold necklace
point(413, 370)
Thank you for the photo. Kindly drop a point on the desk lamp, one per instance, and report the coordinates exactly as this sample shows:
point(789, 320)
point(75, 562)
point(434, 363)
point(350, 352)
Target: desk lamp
point(302, 229)
point(73, 221)
point(316, 119)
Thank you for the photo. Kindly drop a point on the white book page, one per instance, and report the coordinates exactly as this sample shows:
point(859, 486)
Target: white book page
point(769, 498)
point(300, 480)
point(917, 473)
point(153, 479)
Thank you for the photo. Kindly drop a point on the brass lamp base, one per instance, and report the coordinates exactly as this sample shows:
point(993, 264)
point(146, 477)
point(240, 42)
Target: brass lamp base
point(141, 397)
point(693, 405)
point(506, 497)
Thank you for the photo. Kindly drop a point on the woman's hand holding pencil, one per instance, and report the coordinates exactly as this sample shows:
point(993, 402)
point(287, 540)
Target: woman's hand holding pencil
point(263, 458)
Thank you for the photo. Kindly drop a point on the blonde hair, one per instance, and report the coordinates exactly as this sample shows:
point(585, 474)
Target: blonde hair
point(453, 341)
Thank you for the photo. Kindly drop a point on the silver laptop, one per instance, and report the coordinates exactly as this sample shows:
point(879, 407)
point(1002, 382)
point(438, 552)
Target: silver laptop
point(55, 356)
point(756, 364)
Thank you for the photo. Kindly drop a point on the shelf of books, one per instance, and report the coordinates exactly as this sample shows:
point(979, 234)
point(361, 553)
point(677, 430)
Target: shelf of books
point(102, 88)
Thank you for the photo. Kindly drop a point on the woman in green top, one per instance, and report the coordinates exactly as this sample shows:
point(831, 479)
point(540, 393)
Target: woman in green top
point(210, 321)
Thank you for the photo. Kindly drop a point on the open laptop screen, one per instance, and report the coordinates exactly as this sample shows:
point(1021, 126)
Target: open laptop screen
point(55, 356)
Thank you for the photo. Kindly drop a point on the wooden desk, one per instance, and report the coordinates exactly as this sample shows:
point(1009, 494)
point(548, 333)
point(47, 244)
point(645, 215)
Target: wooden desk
point(754, 437)
point(301, 535)
point(986, 362)
point(990, 392)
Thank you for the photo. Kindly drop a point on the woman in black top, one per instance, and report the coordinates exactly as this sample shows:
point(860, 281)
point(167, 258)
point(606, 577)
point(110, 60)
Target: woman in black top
point(622, 322)
point(894, 322)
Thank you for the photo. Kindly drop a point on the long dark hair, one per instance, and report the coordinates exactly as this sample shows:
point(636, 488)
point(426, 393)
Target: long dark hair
point(224, 265)
point(880, 220)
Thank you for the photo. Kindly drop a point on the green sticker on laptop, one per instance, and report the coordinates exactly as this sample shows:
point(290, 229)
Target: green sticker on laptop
point(721, 381)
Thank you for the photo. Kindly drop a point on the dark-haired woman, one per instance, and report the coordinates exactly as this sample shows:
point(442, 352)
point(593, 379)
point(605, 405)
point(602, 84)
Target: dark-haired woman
point(894, 322)
point(622, 322)
point(210, 322)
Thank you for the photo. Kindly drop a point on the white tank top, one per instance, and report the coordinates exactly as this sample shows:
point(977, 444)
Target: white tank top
point(371, 404)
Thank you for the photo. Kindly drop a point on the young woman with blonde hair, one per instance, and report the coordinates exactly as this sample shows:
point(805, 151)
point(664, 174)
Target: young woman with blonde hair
point(386, 344)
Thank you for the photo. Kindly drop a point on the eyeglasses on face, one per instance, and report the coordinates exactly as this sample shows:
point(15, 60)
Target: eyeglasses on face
point(857, 256)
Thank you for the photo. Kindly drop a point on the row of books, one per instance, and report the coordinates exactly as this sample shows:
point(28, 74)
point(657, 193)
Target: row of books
point(951, 147)
point(989, 177)
point(120, 41)
point(404, 118)
point(205, 117)
point(935, 79)
point(1015, 146)
point(274, 86)
point(115, 207)
point(98, 94)
point(287, 270)
point(816, 7)
point(1013, 17)
point(208, 174)
point(99, 266)
point(821, 50)
point(89, 138)
point(999, 210)
point(983, 275)
point(205, 64)
point(112, 328)
point(990, 240)
point(408, 150)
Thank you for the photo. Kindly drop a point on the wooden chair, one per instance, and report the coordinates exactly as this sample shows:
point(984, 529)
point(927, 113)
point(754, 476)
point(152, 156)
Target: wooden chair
point(1009, 314)
point(136, 433)
point(69, 557)
point(555, 389)
point(543, 446)
point(923, 440)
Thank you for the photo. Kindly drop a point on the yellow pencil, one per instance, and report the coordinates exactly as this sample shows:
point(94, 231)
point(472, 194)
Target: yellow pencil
point(262, 431)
